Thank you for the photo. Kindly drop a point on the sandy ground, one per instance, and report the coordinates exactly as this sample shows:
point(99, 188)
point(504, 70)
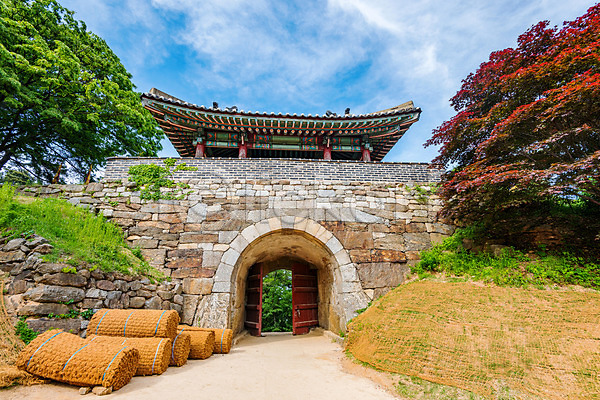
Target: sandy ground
point(271, 367)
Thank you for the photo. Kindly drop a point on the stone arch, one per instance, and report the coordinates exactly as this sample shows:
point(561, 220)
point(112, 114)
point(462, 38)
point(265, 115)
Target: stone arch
point(289, 237)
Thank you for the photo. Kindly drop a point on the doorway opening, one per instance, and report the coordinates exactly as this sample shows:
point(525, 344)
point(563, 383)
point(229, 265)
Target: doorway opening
point(277, 301)
point(296, 251)
point(280, 299)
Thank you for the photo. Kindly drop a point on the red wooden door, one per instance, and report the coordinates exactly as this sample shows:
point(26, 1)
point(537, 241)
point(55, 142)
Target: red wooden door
point(254, 285)
point(305, 311)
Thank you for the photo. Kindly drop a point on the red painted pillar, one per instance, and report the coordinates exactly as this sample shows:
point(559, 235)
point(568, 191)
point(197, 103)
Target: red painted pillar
point(327, 153)
point(366, 154)
point(243, 150)
point(200, 150)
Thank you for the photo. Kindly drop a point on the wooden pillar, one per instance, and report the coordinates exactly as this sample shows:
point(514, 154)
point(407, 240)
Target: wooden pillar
point(243, 150)
point(327, 150)
point(200, 150)
point(366, 154)
point(243, 147)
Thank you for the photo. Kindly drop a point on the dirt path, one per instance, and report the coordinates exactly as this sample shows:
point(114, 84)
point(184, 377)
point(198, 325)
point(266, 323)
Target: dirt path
point(272, 367)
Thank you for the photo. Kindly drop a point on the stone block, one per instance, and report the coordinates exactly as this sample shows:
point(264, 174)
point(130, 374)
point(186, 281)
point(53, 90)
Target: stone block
point(239, 244)
point(20, 286)
point(378, 255)
point(222, 287)
point(389, 242)
point(250, 233)
point(197, 285)
point(43, 248)
point(197, 213)
point(145, 243)
point(92, 303)
point(137, 302)
point(155, 257)
point(382, 274)
point(342, 257)
point(33, 308)
point(227, 236)
point(172, 218)
point(437, 238)
point(188, 262)
point(415, 227)
point(417, 241)
point(64, 279)
point(105, 285)
point(55, 294)
point(190, 303)
point(211, 259)
point(357, 240)
point(360, 255)
point(165, 294)
point(192, 272)
point(181, 253)
point(153, 303)
point(14, 244)
point(230, 257)
point(191, 237)
point(101, 390)
point(348, 273)
point(12, 256)
point(41, 325)
point(213, 311)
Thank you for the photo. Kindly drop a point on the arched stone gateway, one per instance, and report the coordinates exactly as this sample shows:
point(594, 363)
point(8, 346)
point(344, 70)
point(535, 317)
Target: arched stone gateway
point(360, 226)
point(278, 242)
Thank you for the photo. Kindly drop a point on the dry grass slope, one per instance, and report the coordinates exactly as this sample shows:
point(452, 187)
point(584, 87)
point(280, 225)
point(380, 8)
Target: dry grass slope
point(10, 345)
point(493, 341)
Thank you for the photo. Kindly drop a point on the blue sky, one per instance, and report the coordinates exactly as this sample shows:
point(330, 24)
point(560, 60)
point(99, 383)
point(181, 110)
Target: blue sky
point(312, 56)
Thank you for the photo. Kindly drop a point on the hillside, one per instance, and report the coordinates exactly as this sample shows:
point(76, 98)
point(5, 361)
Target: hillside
point(493, 341)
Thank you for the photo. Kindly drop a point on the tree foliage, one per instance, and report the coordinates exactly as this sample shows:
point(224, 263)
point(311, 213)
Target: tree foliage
point(65, 98)
point(527, 128)
point(277, 301)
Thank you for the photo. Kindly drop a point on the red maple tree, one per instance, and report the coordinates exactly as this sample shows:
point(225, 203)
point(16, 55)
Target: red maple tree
point(527, 128)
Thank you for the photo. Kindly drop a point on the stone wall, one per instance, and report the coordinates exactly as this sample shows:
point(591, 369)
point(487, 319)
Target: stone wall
point(44, 292)
point(361, 236)
point(278, 169)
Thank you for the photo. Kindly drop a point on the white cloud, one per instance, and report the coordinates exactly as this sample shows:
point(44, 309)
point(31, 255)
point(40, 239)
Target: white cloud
point(309, 56)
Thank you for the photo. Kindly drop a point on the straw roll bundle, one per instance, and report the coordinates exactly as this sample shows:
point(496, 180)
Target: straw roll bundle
point(134, 323)
point(202, 343)
point(155, 353)
point(223, 340)
point(68, 358)
point(180, 350)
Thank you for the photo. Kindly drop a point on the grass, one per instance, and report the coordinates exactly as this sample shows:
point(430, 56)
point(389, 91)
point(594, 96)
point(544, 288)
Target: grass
point(510, 267)
point(79, 237)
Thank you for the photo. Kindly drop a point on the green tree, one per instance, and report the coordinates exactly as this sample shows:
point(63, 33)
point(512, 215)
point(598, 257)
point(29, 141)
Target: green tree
point(277, 301)
point(526, 136)
point(65, 97)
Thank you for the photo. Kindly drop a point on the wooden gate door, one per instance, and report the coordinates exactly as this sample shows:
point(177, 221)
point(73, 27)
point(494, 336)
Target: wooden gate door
point(254, 288)
point(305, 311)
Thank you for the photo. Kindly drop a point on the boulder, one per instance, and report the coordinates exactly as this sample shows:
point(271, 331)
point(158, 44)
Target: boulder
point(137, 302)
point(33, 308)
point(64, 279)
point(56, 294)
point(153, 303)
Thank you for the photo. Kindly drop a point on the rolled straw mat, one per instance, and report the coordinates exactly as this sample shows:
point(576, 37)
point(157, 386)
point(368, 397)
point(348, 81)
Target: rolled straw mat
point(202, 343)
point(155, 353)
point(223, 339)
point(180, 350)
point(134, 323)
point(68, 358)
